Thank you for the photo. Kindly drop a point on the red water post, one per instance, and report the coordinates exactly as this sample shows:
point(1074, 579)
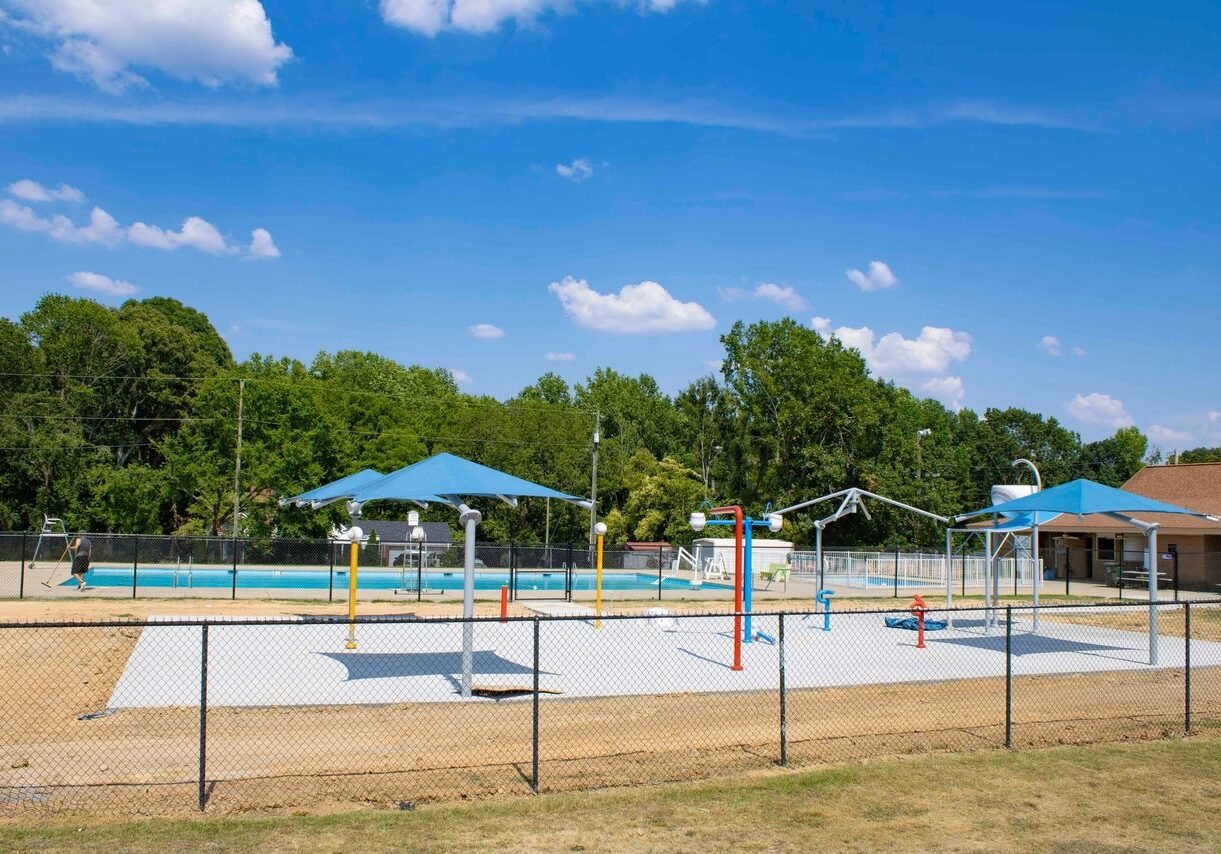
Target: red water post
point(504, 603)
point(738, 580)
point(918, 608)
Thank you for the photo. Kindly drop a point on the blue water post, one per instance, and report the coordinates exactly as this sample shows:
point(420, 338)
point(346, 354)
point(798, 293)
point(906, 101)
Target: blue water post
point(747, 578)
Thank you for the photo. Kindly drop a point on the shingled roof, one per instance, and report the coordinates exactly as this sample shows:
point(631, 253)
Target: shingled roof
point(1196, 486)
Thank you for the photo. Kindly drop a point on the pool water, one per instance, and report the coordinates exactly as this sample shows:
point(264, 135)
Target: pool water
point(371, 579)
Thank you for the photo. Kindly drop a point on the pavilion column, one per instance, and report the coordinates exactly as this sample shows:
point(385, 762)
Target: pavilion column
point(1037, 580)
point(1151, 538)
point(470, 520)
point(949, 574)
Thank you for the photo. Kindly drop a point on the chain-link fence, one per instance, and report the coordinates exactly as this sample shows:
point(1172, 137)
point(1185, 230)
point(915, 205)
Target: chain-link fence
point(169, 716)
point(127, 565)
point(284, 568)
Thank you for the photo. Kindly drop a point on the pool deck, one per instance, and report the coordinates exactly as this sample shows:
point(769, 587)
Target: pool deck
point(290, 663)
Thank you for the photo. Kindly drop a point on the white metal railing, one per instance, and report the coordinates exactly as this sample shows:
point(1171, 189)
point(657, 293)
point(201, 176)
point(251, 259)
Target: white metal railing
point(856, 569)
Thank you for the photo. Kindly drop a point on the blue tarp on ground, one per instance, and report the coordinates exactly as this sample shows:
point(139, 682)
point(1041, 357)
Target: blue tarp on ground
point(914, 624)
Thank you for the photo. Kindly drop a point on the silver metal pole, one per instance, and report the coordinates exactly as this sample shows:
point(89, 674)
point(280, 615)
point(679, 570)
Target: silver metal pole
point(949, 572)
point(593, 507)
point(470, 519)
point(1151, 537)
point(818, 556)
point(988, 582)
point(1037, 582)
point(237, 465)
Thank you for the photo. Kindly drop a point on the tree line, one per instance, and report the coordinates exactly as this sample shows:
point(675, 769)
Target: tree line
point(126, 420)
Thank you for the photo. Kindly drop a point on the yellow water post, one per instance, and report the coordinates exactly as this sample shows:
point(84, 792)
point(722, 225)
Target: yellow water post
point(354, 534)
point(600, 530)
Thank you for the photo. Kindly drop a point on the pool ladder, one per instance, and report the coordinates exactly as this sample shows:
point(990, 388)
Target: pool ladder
point(190, 572)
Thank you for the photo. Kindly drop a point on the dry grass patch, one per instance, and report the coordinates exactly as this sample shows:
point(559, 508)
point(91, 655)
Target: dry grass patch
point(1145, 797)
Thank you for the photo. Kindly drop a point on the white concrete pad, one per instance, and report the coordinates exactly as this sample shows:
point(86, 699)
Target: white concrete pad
point(291, 663)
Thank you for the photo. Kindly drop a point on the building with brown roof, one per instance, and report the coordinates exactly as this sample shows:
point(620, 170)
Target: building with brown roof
point(1099, 548)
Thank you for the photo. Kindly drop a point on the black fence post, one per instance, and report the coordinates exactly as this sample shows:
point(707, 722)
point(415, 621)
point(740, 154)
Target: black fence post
point(1174, 553)
point(896, 573)
point(964, 570)
point(1068, 571)
point(203, 717)
point(233, 595)
point(784, 720)
point(660, 563)
point(330, 589)
point(534, 762)
point(1187, 669)
point(419, 571)
point(1008, 677)
point(512, 580)
point(135, 564)
point(21, 582)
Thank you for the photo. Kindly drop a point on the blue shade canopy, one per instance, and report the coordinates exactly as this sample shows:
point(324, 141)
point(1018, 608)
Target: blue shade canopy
point(448, 475)
point(342, 488)
point(1081, 498)
point(1022, 522)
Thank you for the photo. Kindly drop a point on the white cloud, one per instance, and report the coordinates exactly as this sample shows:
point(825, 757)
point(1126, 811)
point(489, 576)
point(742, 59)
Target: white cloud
point(1214, 417)
point(1078, 351)
point(211, 41)
point(1167, 435)
point(892, 355)
point(32, 191)
point(485, 330)
point(640, 308)
point(102, 284)
point(576, 171)
point(261, 244)
point(879, 277)
point(429, 17)
point(102, 229)
point(196, 233)
point(768, 292)
point(461, 376)
point(948, 390)
point(559, 357)
point(1051, 345)
point(1095, 408)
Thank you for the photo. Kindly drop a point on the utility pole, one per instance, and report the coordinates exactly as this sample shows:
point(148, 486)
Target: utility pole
point(237, 466)
point(593, 508)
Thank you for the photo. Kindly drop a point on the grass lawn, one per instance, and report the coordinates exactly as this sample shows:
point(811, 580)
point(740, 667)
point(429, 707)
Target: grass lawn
point(1160, 796)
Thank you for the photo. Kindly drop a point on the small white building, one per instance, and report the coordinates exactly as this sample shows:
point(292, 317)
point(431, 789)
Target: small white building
point(717, 553)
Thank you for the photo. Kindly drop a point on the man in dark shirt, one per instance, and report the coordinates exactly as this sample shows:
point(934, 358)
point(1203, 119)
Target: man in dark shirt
point(82, 551)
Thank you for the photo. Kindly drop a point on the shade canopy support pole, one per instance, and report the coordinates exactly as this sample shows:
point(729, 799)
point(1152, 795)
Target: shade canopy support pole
point(470, 519)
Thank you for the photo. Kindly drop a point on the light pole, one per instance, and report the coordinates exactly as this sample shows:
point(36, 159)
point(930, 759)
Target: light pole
point(1037, 581)
point(593, 486)
point(920, 434)
point(600, 533)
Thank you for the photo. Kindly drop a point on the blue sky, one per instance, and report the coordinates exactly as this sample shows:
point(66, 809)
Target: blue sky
point(1000, 205)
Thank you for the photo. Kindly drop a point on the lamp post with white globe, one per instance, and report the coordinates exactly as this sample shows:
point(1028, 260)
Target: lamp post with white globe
point(600, 533)
point(354, 536)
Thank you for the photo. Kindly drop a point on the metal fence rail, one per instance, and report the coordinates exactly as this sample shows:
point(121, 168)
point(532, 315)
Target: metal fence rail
point(169, 716)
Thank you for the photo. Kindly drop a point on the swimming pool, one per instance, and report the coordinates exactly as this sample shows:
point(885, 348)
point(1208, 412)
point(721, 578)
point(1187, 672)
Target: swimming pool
point(434, 580)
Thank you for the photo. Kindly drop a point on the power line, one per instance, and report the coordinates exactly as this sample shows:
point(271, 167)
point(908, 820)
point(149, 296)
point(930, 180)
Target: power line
point(459, 399)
